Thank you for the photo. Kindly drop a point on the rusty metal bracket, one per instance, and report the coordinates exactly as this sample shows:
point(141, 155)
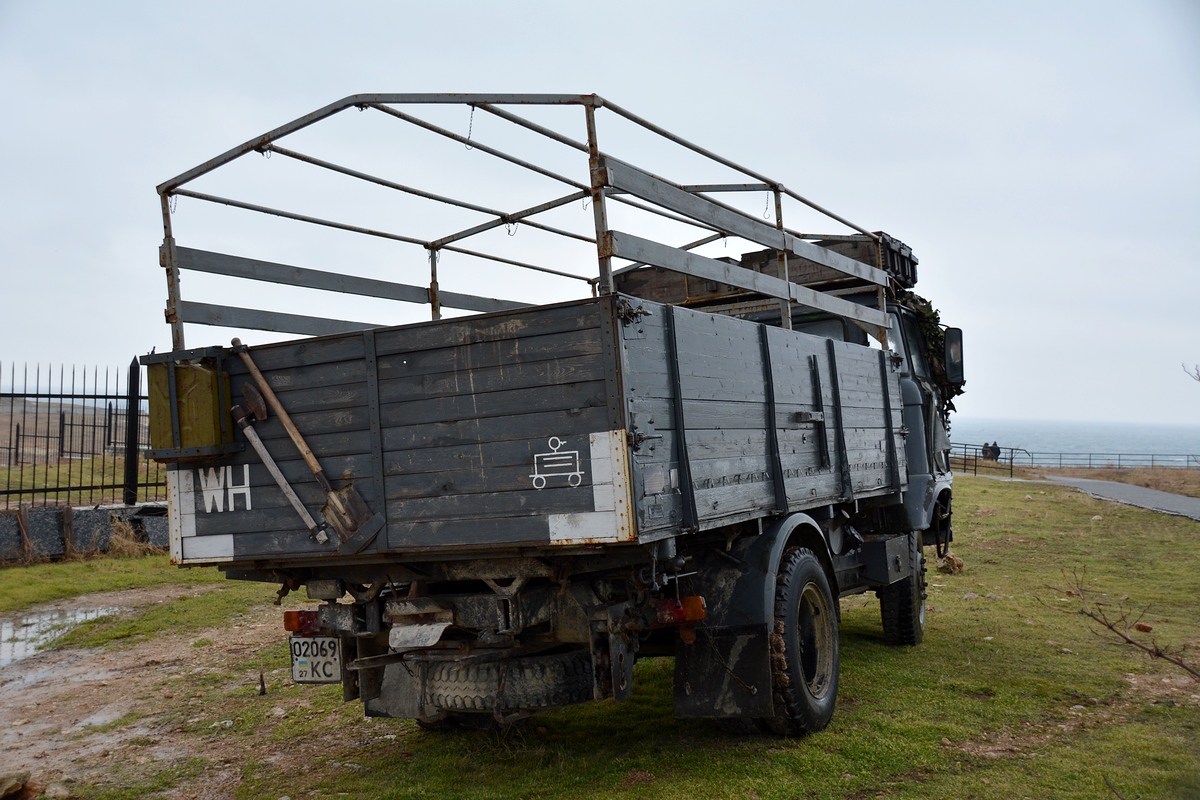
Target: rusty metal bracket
point(630, 314)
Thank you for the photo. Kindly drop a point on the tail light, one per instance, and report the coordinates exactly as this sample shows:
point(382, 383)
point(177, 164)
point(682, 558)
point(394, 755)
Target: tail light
point(302, 622)
point(680, 612)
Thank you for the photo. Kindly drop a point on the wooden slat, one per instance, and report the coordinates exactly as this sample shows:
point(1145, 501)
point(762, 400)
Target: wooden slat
point(538, 378)
point(453, 433)
point(565, 399)
point(635, 248)
point(406, 535)
point(256, 320)
point(530, 503)
point(288, 275)
point(647, 187)
point(545, 320)
point(480, 355)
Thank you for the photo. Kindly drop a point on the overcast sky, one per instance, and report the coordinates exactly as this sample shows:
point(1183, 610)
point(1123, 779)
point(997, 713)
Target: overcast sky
point(1041, 158)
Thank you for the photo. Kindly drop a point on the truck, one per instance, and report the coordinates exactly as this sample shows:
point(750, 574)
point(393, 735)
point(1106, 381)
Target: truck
point(502, 508)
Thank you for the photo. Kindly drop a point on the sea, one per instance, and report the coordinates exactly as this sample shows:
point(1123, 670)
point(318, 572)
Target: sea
point(1045, 436)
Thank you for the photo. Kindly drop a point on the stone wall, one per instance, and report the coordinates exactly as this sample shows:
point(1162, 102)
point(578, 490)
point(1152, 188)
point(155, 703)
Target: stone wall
point(54, 532)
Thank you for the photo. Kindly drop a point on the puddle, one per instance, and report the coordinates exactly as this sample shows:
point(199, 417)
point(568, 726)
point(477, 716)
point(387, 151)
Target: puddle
point(23, 636)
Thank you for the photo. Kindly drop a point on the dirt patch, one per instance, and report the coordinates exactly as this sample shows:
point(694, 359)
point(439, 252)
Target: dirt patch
point(1088, 713)
point(638, 777)
point(1033, 735)
point(119, 715)
point(1179, 689)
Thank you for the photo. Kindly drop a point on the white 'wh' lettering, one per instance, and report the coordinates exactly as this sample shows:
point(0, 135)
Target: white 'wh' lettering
point(216, 482)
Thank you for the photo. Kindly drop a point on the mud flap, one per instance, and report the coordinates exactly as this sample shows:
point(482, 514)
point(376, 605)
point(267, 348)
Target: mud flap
point(399, 693)
point(726, 672)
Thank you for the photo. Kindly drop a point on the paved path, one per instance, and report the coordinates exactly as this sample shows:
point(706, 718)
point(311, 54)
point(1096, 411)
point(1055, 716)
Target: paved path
point(1135, 495)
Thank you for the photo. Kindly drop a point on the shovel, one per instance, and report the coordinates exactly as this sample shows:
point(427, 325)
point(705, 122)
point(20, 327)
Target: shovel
point(345, 510)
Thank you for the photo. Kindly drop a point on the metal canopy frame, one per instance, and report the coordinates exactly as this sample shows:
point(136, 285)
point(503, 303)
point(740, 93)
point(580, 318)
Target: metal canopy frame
point(610, 180)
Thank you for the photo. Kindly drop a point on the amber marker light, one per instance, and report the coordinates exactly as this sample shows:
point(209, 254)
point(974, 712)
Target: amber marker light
point(680, 612)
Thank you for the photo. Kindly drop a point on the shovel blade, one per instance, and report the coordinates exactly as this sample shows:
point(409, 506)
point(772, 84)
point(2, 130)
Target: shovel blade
point(346, 511)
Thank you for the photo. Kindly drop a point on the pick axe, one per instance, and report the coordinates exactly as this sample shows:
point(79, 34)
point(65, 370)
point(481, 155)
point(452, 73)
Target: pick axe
point(253, 408)
point(345, 510)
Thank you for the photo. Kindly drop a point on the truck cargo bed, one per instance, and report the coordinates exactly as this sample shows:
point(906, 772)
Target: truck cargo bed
point(600, 421)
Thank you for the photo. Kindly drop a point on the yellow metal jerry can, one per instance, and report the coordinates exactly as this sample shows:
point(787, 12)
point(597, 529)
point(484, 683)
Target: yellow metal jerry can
point(189, 411)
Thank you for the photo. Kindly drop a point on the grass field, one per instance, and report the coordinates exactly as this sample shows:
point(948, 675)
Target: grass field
point(21, 587)
point(1012, 694)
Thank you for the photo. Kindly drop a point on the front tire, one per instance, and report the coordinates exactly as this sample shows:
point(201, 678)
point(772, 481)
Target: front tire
point(805, 659)
point(902, 605)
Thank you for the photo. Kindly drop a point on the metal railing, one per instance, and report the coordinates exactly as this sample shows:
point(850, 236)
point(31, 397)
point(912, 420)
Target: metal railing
point(572, 166)
point(979, 459)
point(74, 438)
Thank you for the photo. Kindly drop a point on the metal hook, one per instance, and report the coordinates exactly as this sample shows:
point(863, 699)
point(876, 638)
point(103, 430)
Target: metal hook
point(511, 228)
point(767, 208)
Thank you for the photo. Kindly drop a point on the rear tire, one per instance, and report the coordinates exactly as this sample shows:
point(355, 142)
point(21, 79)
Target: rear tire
point(805, 659)
point(902, 605)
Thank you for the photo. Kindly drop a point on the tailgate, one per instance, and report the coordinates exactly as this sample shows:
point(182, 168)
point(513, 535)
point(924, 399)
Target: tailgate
point(493, 430)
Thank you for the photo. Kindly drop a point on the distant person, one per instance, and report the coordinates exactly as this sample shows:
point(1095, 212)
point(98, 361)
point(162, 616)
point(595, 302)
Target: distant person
point(995, 451)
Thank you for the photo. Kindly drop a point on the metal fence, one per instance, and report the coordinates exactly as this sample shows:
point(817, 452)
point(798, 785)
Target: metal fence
point(981, 459)
point(74, 437)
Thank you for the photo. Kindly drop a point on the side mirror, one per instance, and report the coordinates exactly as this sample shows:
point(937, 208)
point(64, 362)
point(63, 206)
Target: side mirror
point(954, 356)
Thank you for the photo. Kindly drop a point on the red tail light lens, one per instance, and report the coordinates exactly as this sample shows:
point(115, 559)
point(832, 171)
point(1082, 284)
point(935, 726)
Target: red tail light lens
point(300, 621)
point(672, 612)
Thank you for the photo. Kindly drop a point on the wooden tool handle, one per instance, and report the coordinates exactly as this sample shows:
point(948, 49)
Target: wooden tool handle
point(275, 405)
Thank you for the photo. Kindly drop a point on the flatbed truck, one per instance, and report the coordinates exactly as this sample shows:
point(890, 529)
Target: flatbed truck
point(500, 512)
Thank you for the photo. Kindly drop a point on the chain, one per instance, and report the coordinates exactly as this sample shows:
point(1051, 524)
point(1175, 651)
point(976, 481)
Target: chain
point(470, 128)
point(172, 202)
point(753, 690)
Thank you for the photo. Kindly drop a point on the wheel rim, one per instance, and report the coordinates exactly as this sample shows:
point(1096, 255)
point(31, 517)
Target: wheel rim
point(815, 627)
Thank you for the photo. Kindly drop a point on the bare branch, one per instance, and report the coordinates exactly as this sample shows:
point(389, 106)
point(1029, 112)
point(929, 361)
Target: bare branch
point(1194, 372)
point(1112, 788)
point(1120, 626)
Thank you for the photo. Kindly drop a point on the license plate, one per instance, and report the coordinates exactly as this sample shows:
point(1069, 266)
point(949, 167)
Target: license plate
point(316, 659)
